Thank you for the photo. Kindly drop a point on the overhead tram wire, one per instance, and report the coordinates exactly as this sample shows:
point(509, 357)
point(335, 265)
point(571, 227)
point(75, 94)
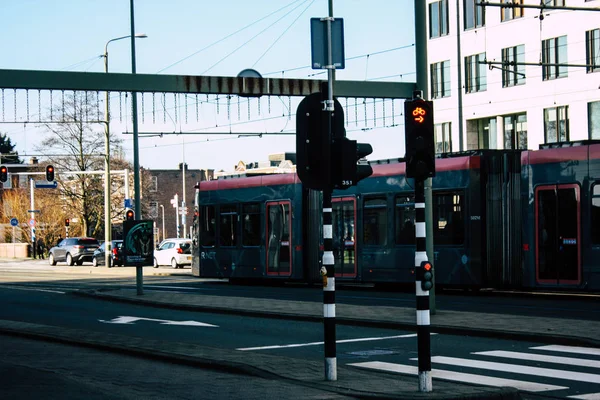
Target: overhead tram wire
point(228, 36)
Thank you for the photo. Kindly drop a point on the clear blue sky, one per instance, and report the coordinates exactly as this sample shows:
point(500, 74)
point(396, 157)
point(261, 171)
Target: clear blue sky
point(70, 35)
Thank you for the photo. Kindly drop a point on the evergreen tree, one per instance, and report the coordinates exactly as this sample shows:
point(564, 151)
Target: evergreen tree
point(8, 155)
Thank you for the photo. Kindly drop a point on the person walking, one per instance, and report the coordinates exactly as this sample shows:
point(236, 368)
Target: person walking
point(40, 248)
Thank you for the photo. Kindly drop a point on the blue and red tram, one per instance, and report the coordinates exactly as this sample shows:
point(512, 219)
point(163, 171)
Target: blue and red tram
point(501, 219)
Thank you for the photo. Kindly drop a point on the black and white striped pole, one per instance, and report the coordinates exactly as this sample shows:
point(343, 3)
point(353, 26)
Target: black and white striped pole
point(328, 273)
point(422, 268)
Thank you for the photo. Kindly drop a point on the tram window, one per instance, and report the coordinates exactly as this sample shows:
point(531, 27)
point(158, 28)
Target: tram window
point(596, 214)
point(405, 219)
point(228, 225)
point(207, 226)
point(375, 221)
point(250, 225)
point(448, 219)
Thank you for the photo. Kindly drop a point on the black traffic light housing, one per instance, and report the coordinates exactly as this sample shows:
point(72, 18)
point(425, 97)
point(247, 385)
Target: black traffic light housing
point(346, 171)
point(419, 139)
point(67, 221)
point(426, 276)
point(129, 214)
point(3, 173)
point(49, 173)
point(313, 150)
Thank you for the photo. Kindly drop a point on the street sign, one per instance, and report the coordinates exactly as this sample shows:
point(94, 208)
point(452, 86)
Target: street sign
point(46, 185)
point(318, 42)
point(128, 203)
point(32, 222)
point(14, 221)
point(34, 211)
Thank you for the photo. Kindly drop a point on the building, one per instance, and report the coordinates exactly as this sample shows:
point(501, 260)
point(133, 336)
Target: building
point(513, 78)
point(279, 163)
point(164, 185)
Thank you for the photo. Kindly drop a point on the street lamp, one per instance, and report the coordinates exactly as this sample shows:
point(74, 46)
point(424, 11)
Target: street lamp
point(107, 222)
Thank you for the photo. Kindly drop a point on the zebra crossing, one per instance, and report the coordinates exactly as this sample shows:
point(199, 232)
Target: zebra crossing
point(566, 371)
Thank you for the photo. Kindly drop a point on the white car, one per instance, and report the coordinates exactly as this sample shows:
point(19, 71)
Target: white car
point(173, 252)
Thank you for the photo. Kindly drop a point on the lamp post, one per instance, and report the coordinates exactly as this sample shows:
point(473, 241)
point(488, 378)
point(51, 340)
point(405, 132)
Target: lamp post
point(107, 221)
point(163, 222)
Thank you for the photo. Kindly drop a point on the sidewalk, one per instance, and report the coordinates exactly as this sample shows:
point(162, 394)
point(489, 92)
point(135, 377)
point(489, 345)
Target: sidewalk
point(354, 382)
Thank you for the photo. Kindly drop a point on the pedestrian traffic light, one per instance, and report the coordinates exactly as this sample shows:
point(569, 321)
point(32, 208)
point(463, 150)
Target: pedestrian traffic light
point(129, 215)
point(427, 278)
point(3, 173)
point(347, 170)
point(49, 173)
point(419, 139)
point(67, 221)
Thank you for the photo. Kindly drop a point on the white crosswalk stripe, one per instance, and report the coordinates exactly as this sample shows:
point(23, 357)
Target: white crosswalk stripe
point(511, 369)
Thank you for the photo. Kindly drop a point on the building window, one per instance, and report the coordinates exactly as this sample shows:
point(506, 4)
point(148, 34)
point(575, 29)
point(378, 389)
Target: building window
point(554, 2)
point(474, 14)
point(475, 73)
point(153, 209)
point(594, 119)
point(554, 52)
point(556, 124)
point(513, 70)
point(443, 138)
point(508, 13)
point(515, 131)
point(440, 79)
point(375, 220)
point(482, 133)
point(592, 40)
point(154, 184)
point(438, 19)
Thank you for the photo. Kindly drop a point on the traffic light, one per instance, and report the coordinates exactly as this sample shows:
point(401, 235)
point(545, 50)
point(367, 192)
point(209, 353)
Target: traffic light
point(427, 278)
point(49, 173)
point(3, 173)
point(313, 151)
point(346, 169)
point(67, 221)
point(129, 214)
point(419, 139)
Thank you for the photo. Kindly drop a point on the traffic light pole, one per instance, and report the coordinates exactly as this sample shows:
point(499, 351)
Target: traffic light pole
point(423, 320)
point(32, 205)
point(328, 256)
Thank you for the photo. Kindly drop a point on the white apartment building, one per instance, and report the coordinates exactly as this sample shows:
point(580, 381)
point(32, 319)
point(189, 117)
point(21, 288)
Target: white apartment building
point(506, 105)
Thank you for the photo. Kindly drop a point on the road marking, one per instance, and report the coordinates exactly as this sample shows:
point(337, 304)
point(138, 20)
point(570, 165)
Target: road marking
point(517, 369)
point(286, 346)
point(125, 320)
point(540, 357)
point(589, 396)
point(460, 377)
point(569, 349)
point(32, 289)
point(177, 287)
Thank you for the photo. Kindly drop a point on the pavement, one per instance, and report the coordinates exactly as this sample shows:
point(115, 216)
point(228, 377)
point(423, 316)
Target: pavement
point(350, 381)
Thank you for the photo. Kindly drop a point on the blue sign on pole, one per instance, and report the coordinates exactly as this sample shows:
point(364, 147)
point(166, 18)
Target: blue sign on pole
point(128, 203)
point(14, 221)
point(46, 185)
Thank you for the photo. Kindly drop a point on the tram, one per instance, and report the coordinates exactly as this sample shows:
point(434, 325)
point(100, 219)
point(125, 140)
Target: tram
point(500, 218)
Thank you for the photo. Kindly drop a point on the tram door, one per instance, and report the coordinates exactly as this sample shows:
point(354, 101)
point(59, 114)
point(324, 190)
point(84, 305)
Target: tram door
point(344, 236)
point(558, 238)
point(278, 240)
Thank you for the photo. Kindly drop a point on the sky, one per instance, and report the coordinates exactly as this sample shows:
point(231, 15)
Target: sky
point(216, 38)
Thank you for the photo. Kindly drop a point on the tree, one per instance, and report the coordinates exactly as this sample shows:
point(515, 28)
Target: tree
point(76, 144)
point(8, 155)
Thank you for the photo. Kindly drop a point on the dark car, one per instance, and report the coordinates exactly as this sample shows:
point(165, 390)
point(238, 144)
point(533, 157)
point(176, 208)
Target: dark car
point(73, 251)
point(116, 256)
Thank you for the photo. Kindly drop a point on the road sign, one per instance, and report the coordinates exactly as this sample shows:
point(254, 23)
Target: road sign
point(46, 185)
point(34, 211)
point(14, 221)
point(319, 43)
point(32, 222)
point(128, 203)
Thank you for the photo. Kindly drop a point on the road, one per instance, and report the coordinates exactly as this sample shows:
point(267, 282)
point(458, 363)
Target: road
point(42, 296)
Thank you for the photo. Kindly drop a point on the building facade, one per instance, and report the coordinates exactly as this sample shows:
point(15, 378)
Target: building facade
point(513, 78)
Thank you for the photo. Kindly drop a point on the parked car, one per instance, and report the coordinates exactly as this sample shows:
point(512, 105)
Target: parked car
point(173, 252)
point(116, 254)
point(73, 250)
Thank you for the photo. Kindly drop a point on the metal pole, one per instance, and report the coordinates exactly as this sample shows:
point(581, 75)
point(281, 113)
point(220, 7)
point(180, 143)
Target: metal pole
point(459, 74)
point(136, 157)
point(328, 261)
point(183, 209)
point(423, 324)
point(32, 205)
point(164, 236)
point(177, 214)
point(107, 221)
point(423, 85)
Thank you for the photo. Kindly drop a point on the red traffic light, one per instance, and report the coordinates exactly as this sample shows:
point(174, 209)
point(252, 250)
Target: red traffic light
point(129, 215)
point(67, 221)
point(3, 173)
point(49, 173)
point(427, 266)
